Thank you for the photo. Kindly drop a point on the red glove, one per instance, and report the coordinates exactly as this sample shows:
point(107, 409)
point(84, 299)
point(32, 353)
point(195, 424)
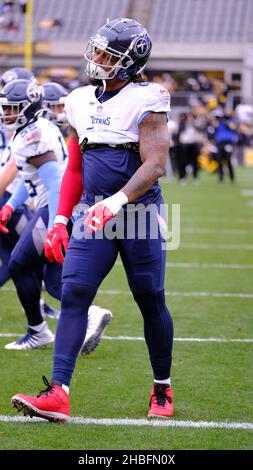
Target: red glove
point(103, 211)
point(48, 248)
point(5, 215)
point(97, 217)
point(59, 239)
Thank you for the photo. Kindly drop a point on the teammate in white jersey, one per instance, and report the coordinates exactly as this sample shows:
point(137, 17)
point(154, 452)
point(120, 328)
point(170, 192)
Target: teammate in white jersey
point(9, 178)
point(39, 150)
point(37, 137)
point(8, 181)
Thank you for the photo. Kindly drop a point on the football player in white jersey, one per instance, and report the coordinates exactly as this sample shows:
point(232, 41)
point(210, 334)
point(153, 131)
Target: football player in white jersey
point(9, 179)
point(54, 96)
point(40, 151)
point(121, 126)
point(31, 138)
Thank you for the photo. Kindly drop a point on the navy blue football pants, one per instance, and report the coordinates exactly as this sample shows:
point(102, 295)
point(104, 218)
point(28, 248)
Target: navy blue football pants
point(27, 266)
point(87, 262)
point(16, 226)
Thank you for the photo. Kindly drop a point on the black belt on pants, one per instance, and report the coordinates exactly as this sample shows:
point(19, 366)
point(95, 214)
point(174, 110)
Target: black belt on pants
point(133, 146)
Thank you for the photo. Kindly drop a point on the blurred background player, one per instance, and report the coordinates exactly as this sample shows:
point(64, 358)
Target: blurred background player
point(54, 95)
point(39, 150)
point(15, 73)
point(225, 137)
point(9, 180)
point(31, 243)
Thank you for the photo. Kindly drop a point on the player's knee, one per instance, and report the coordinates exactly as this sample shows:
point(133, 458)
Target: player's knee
point(70, 290)
point(141, 283)
point(151, 303)
point(53, 288)
point(4, 274)
point(14, 267)
point(76, 297)
point(53, 281)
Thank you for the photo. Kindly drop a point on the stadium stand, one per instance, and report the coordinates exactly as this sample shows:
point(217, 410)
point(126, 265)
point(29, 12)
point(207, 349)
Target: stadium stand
point(219, 21)
point(74, 20)
point(222, 21)
point(187, 35)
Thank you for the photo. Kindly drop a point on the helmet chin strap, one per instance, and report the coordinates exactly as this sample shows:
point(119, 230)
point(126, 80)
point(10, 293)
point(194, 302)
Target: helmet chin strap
point(104, 88)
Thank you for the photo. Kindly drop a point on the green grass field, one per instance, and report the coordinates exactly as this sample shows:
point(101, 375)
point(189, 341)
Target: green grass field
point(208, 283)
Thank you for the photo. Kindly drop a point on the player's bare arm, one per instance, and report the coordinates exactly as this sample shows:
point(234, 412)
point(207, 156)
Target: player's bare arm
point(73, 133)
point(154, 148)
point(39, 160)
point(7, 174)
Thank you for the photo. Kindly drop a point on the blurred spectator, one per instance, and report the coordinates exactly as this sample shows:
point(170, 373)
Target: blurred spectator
point(244, 118)
point(220, 89)
point(225, 137)
point(209, 134)
point(171, 166)
point(49, 23)
point(204, 83)
point(193, 84)
point(244, 114)
point(46, 25)
point(166, 80)
point(190, 139)
point(23, 5)
point(11, 13)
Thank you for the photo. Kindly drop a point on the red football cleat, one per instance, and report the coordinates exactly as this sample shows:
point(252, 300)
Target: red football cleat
point(51, 404)
point(161, 401)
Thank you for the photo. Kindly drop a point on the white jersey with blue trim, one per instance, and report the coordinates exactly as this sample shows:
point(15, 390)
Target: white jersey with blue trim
point(37, 138)
point(116, 121)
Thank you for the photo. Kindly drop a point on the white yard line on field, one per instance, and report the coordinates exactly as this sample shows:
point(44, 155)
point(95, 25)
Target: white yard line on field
point(9, 335)
point(247, 192)
point(216, 246)
point(168, 423)
point(216, 231)
point(185, 294)
point(203, 265)
point(219, 220)
point(168, 293)
point(141, 338)
point(191, 340)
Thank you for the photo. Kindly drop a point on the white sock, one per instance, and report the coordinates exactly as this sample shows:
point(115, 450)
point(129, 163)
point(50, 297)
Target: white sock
point(65, 388)
point(38, 328)
point(165, 381)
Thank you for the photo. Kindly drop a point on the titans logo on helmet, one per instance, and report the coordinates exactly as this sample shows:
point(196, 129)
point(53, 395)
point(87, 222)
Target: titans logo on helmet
point(142, 45)
point(9, 75)
point(33, 92)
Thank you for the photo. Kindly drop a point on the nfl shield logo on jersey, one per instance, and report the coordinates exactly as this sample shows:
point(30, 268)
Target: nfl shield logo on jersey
point(99, 109)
